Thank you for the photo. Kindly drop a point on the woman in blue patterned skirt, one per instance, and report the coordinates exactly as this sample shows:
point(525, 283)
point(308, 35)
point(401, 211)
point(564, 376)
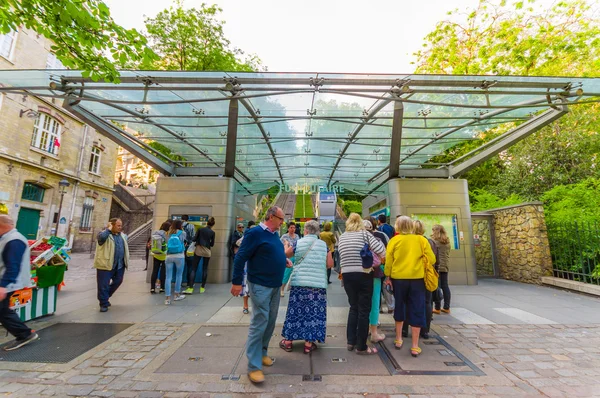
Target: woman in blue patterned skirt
point(306, 317)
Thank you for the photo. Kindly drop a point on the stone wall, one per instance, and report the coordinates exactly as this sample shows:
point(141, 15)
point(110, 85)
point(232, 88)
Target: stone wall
point(483, 247)
point(522, 248)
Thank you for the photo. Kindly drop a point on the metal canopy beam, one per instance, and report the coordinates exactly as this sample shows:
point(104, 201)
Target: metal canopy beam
point(331, 81)
point(231, 138)
point(254, 116)
point(396, 143)
point(113, 133)
point(357, 130)
point(483, 153)
point(199, 171)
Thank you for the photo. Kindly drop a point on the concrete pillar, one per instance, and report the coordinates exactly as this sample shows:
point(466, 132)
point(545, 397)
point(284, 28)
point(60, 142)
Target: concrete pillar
point(411, 197)
point(213, 196)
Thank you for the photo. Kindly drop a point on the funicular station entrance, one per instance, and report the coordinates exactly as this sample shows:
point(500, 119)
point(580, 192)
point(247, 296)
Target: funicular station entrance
point(232, 136)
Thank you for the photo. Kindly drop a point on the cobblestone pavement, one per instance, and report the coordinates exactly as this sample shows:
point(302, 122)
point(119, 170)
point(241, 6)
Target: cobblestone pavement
point(519, 360)
point(528, 361)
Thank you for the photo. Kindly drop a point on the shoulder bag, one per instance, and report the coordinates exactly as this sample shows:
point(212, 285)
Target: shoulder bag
point(288, 286)
point(431, 276)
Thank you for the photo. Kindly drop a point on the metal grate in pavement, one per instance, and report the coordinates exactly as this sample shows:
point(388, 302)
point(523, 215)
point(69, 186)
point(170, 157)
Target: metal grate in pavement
point(63, 342)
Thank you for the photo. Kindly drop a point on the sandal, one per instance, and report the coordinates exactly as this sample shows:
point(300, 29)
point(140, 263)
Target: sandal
point(311, 348)
point(398, 344)
point(350, 347)
point(368, 351)
point(415, 351)
point(245, 311)
point(380, 337)
point(285, 345)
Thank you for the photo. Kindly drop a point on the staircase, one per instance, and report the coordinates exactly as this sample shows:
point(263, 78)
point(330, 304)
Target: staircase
point(137, 240)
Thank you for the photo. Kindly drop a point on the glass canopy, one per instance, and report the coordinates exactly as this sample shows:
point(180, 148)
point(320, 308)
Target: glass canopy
point(308, 128)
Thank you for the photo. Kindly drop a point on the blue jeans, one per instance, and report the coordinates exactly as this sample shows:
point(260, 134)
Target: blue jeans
point(179, 264)
point(105, 288)
point(265, 303)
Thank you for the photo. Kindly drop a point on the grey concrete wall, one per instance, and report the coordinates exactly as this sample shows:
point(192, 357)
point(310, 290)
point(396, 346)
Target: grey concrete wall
point(209, 195)
point(433, 196)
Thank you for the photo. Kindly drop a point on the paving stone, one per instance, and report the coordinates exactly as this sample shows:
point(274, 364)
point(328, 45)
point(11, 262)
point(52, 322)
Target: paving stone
point(80, 391)
point(102, 393)
point(114, 371)
point(134, 356)
point(106, 380)
point(150, 394)
point(49, 375)
point(125, 394)
point(92, 371)
point(84, 379)
point(11, 387)
point(119, 364)
point(561, 357)
point(143, 385)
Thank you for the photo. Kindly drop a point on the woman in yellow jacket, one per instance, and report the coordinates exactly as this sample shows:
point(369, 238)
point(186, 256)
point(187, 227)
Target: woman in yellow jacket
point(405, 270)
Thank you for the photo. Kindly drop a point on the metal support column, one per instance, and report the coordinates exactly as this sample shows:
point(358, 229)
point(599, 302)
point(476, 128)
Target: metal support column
point(232, 124)
point(396, 139)
point(139, 149)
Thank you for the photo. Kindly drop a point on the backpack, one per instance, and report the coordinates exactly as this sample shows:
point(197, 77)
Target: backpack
point(189, 232)
point(174, 244)
point(158, 245)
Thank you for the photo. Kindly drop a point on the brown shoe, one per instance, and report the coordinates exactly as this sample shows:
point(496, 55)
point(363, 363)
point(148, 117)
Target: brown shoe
point(256, 376)
point(436, 311)
point(267, 361)
point(446, 311)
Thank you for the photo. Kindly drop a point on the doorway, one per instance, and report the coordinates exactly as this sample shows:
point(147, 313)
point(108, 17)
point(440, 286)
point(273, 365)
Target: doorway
point(28, 222)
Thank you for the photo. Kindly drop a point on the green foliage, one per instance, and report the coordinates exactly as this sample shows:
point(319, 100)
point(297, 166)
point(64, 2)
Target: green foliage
point(193, 39)
point(352, 206)
point(83, 33)
point(484, 200)
point(524, 39)
point(165, 153)
point(501, 38)
point(573, 203)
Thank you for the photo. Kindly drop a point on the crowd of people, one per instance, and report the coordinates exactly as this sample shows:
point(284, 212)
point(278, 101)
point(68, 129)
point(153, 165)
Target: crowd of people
point(266, 266)
point(375, 260)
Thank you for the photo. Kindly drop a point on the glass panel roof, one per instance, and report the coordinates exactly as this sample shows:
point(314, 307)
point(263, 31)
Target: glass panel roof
point(309, 128)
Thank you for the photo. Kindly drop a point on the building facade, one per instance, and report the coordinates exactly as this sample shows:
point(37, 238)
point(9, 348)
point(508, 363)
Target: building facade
point(57, 172)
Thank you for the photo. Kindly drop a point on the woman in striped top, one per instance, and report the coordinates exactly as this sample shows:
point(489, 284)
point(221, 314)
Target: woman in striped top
point(358, 282)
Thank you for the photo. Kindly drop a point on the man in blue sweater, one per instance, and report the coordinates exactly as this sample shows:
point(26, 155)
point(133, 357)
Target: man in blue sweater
point(267, 260)
point(15, 274)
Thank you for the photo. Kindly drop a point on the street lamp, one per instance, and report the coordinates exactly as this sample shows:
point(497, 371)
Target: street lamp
point(63, 184)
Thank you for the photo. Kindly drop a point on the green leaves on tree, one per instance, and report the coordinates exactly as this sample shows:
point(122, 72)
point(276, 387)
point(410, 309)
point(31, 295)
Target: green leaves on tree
point(83, 33)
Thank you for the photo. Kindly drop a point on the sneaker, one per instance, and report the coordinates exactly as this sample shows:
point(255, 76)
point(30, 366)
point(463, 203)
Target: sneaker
point(267, 361)
point(256, 376)
point(180, 297)
point(202, 290)
point(189, 290)
point(103, 309)
point(167, 302)
point(20, 343)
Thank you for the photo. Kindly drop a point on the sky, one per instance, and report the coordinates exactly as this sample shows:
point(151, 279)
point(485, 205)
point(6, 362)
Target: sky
point(349, 36)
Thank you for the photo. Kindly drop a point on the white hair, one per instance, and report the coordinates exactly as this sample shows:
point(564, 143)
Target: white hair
point(311, 228)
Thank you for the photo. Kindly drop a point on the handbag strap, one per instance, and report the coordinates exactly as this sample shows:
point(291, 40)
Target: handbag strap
point(304, 255)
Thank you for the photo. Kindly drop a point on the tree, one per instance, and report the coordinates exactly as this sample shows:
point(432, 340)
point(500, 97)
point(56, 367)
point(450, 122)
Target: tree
point(83, 33)
point(516, 39)
point(193, 39)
